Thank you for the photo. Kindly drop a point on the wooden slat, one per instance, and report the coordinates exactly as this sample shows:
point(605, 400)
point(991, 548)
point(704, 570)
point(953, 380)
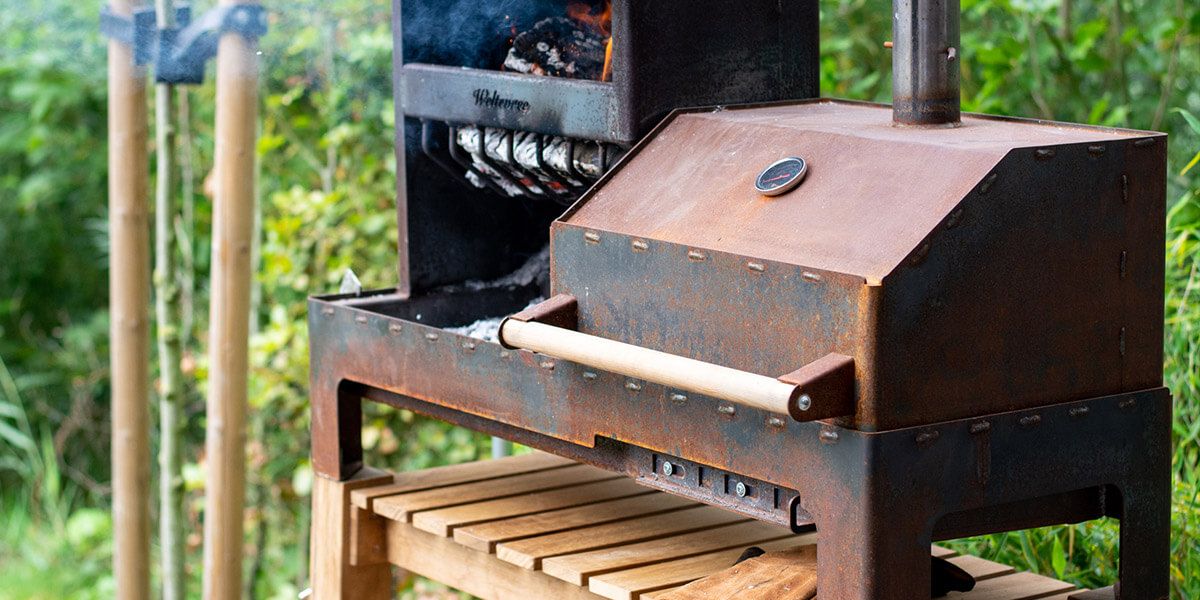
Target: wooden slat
point(401, 507)
point(630, 584)
point(577, 568)
point(529, 552)
point(1104, 593)
point(981, 569)
point(941, 552)
point(656, 594)
point(1019, 586)
point(443, 521)
point(473, 572)
point(485, 536)
point(425, 479)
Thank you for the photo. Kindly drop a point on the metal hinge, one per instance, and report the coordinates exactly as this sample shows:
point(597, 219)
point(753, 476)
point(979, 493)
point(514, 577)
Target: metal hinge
point(179, 53)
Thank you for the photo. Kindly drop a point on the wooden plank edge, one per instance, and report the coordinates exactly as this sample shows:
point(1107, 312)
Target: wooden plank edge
point(472, 572)
point(541, 461)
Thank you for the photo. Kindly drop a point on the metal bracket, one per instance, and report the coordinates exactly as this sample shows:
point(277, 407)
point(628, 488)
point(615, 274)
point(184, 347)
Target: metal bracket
point(179, 53)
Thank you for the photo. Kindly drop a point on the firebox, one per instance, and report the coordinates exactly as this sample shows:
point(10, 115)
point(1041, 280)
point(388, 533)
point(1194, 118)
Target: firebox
point(512, 109)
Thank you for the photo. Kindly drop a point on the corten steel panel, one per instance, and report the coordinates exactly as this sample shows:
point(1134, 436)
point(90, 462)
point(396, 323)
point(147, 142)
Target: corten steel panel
point(1043, 285)
point(872, 193)
point(770, 318)
point(1007, 263)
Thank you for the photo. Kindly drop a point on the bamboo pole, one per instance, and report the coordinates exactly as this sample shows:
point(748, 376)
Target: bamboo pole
point(169, 327)
point(237, 101)
point(129, 295)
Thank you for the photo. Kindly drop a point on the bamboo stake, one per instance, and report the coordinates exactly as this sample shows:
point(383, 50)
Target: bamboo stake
point(237, 98)
point(129, 294)
point(166, 306)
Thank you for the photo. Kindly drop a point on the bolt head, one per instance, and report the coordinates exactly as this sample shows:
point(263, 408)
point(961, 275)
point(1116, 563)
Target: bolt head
point(740, 489)
point(804, 402)
point(668, 468)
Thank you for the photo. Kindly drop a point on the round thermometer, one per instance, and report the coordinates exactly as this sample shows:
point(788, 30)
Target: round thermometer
point(781, 176)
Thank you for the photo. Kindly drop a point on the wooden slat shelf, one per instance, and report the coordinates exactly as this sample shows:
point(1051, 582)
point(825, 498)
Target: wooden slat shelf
point(539, 526)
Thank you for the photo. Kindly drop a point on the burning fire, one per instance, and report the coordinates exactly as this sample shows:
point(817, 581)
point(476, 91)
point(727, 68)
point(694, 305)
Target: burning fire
point(601, 22)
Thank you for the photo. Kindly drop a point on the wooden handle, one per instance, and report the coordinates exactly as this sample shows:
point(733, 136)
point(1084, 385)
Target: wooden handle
point(759, 391)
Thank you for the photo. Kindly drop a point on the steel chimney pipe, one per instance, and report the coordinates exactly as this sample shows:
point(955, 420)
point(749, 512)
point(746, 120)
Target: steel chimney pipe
point(925, 87)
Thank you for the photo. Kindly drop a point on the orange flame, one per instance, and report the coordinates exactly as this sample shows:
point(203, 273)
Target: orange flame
point(601, 22)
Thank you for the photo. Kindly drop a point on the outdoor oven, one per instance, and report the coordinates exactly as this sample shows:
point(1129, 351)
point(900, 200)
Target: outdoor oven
point(472, 213)
point(894, 325)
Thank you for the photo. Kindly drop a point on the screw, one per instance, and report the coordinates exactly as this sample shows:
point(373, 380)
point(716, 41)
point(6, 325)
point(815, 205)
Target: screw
point(726, 409)
point(589, 376)
point(804, 402)
point(1030, 421)
point(740, 489)
point(678, 398)
point(668, 468)
point(776, 421)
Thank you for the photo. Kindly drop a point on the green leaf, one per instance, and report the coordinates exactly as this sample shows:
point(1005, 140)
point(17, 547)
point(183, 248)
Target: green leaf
point(1058, 558)
point(1191, 119)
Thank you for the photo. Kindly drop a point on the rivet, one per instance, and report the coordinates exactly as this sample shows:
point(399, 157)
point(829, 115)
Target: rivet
point(1079, 412)
point(775, 421)
point(668, 468)
point(804, 402)
point(468, 345)
point(1097, 149)
point(361, 319)
point(1043, 153)
point(828, 435)
point(753, 266)
point(589, 376)
point(1122, 342)
point(727, 409)
point(1125, 189)
point(927, 437)
point(327, 311)
point(979, 427)
point(395, 328)
point(1124, 257)
point(431, 337)
point(695, 255)
point(954, 219)
point(740, 489)
point(1127, 404)
point(810, 276)
point(504, 353)
point(633, 386)
point(678, 398)
point(592, 237)
point(640, 245)
point(988, 182)
point(919, 256)
point(1030, 421)
point(1144, 142)
point(548, 365)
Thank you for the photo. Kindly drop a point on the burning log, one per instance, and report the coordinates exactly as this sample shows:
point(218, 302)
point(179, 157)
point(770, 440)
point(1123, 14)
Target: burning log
point(559, 47)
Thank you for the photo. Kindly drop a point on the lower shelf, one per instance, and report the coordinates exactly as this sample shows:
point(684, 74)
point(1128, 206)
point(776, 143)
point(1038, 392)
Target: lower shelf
point(540, 526)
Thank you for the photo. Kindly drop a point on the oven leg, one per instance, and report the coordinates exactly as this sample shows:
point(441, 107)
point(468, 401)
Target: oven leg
point(873, 555)
point(333, 575)
point(337, 451)
point(1145, 540)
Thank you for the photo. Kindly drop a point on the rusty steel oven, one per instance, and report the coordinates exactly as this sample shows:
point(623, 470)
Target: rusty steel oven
point(942, 325)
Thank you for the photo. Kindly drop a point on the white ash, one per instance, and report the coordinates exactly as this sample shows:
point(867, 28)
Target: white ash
point(523, 152)
point(488, 329)
point(535, 270)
